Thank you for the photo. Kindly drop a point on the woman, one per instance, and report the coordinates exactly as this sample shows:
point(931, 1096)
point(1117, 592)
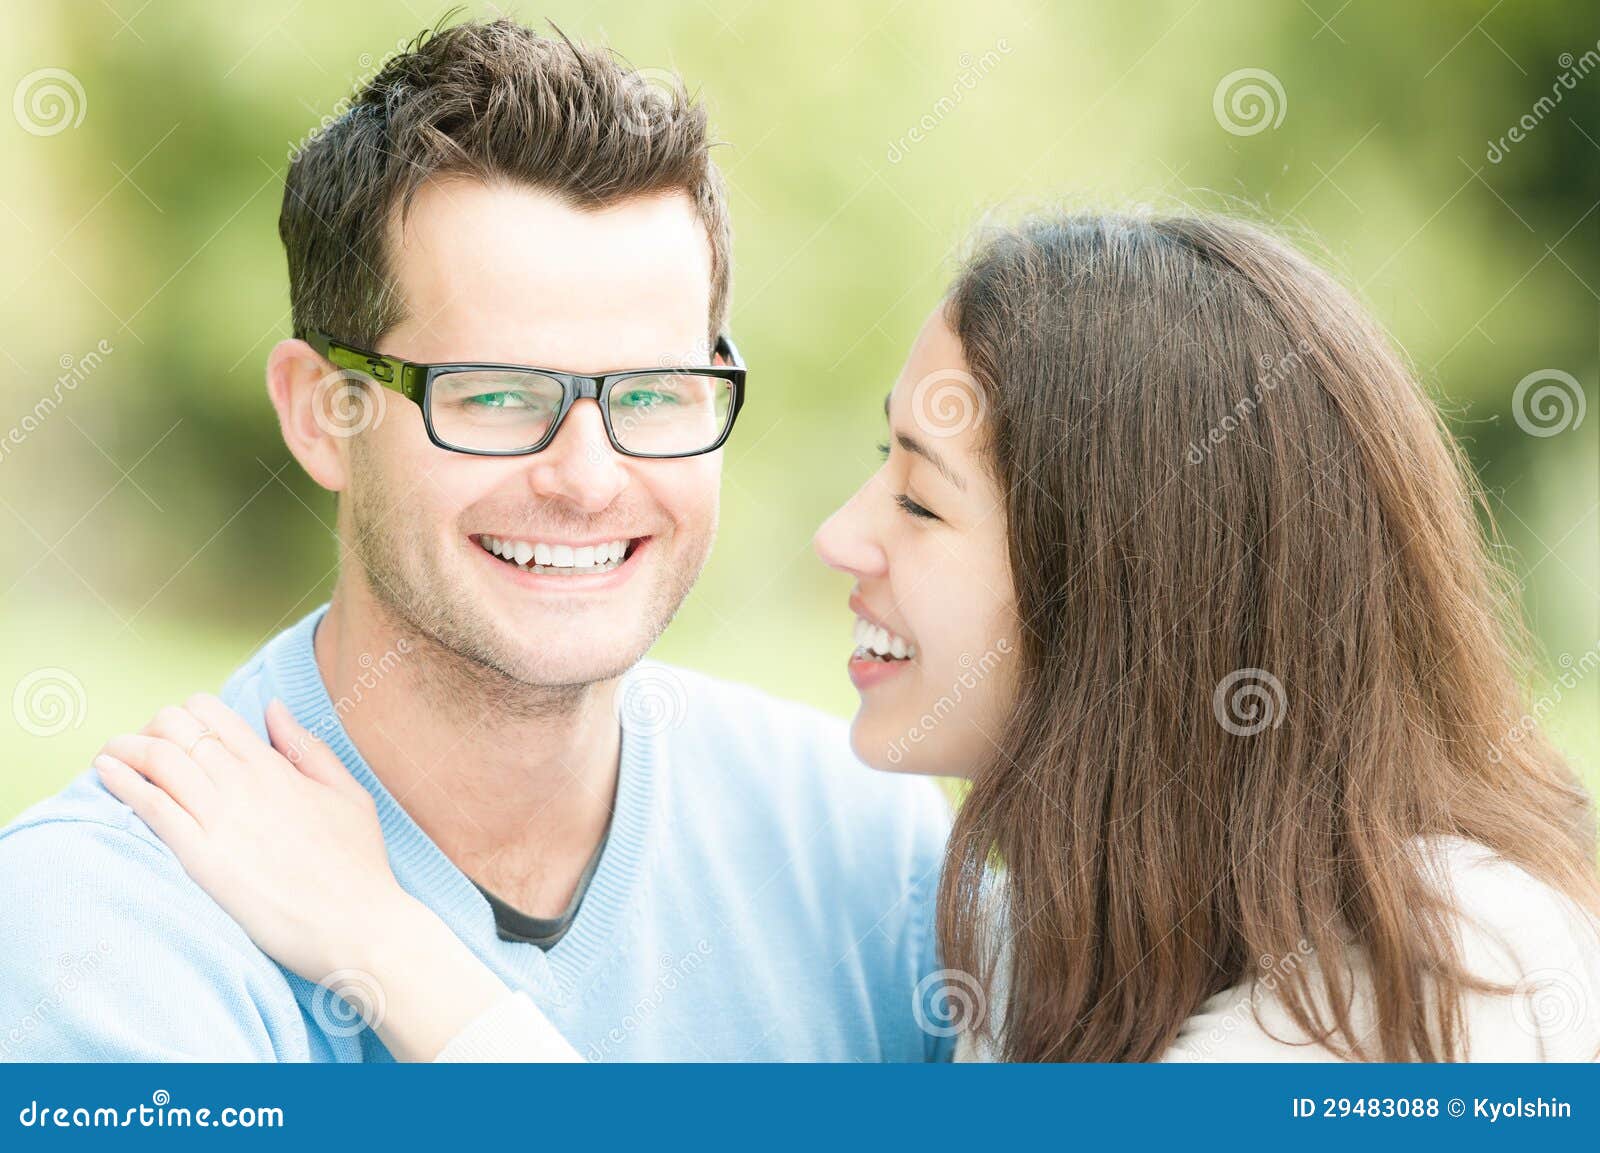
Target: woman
point(1231, 679)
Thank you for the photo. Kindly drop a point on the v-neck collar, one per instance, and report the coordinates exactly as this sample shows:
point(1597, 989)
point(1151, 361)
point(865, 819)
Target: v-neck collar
point(423, 870)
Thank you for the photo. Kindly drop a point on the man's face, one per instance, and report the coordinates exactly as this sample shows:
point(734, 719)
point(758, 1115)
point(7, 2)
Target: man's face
point(506, 274)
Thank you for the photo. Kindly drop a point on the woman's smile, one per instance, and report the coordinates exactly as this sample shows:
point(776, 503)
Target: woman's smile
point(880, 652)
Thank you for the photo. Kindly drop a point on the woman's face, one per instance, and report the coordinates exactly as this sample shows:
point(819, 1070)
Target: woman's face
point(925, 538)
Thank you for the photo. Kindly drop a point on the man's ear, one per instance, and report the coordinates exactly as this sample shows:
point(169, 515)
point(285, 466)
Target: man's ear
point(304, 388)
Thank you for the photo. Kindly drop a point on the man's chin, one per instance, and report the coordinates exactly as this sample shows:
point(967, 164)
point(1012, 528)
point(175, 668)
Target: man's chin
point(563, 651)
point(560, 660)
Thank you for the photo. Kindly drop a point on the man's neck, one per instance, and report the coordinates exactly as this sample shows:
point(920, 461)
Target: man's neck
point(515, 785)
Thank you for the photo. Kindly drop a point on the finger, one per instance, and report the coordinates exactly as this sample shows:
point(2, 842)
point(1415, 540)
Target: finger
point(169, 768)
point(308, 754)
point(167, 819)
point(236, 733)
point(190, 734)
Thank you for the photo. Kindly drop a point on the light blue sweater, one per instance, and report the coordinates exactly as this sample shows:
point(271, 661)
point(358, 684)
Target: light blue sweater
point(762, 896)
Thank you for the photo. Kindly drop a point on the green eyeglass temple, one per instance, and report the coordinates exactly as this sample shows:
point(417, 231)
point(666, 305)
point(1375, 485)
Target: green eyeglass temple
point(415, 382)
point(404, 377)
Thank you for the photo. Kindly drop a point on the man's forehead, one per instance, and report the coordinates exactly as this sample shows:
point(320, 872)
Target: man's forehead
point(513, 269)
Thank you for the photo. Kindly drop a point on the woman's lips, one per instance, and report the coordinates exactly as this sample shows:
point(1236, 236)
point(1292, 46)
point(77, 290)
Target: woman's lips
point(880, 653)
point(867, 672)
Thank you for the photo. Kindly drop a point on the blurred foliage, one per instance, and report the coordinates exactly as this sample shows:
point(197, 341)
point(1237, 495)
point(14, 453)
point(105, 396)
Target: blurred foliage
point(156, 528)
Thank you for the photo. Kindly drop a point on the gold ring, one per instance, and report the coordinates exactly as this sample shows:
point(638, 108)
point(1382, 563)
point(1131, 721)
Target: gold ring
point(208, 734)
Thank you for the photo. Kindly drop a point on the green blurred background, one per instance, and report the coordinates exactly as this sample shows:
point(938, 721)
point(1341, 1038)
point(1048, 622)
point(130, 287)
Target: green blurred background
point(156, 530)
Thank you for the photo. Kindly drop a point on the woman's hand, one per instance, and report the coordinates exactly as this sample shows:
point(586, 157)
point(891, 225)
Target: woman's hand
point(288, 842)
point(281, 835)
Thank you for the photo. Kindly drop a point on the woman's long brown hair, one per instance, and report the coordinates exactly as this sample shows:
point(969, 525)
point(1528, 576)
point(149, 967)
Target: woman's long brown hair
point(1264, 651)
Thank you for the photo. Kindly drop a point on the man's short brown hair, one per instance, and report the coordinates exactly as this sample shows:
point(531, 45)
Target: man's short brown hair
point(497, 102)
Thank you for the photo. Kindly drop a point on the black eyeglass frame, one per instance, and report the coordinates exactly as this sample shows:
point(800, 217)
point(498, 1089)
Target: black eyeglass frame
point(414, 381)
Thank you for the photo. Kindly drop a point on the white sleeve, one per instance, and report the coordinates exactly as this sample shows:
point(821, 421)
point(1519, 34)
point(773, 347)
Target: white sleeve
point(512, 1030)
point(1522, 934)
point(1515, 932)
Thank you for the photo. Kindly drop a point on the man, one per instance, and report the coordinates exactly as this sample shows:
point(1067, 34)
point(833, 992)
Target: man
point(717, 879)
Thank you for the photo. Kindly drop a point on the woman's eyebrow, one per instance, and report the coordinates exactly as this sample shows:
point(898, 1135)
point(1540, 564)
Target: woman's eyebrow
point(917, 448)
point(912, 445)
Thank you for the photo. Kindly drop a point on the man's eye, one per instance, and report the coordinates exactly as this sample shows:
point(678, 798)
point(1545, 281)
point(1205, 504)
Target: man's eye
point(915, 509)
point(883, 450)
point(644, 398)
point(502, 400)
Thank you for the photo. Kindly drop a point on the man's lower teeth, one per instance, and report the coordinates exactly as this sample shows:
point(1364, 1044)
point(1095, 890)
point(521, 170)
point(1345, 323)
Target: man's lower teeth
point(568, 570)
point(565, 570)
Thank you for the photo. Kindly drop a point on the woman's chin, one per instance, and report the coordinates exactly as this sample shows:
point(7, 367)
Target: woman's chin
point(891, 745)
point(886, 747)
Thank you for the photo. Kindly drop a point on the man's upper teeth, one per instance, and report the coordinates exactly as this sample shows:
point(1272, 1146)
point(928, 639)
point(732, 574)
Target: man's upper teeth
point(555, 555)
point(881, 641)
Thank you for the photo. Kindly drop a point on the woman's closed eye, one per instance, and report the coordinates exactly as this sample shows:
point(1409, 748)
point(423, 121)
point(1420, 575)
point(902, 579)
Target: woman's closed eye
point(913, 508)
point(904, 500)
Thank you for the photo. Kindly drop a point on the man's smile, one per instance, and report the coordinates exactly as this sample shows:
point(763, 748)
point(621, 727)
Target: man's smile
point(558, 558)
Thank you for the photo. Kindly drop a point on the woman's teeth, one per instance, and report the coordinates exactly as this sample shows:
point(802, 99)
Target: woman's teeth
point(562, 559)
point(875, 643)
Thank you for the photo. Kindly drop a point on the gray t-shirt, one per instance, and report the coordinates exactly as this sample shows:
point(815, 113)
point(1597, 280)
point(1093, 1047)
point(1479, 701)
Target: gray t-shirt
point(512, 924)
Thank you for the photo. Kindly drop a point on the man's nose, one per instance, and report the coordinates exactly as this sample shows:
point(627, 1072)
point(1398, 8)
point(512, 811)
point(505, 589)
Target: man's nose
point(579, 465)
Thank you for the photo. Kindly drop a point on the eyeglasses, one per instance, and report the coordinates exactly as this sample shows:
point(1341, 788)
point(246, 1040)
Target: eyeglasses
point(515, 410)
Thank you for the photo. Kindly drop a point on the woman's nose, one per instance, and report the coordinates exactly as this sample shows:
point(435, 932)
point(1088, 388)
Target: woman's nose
point(846, 542)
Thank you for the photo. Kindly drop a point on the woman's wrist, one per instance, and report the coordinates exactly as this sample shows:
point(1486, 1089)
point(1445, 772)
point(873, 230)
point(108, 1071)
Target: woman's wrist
point(427, 986)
